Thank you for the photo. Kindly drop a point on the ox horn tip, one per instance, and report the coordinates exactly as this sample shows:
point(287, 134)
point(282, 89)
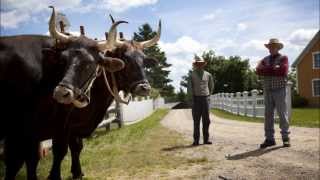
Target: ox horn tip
point(122, 22)
point(111, 17)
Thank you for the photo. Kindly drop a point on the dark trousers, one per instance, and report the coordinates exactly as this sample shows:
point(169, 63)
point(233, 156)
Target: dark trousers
point(200, 109)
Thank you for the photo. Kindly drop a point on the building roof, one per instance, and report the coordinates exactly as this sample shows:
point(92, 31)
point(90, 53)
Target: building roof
point(313, 41)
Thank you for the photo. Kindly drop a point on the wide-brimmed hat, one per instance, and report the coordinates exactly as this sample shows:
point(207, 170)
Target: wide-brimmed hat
point(198, 61)
point(274, 41)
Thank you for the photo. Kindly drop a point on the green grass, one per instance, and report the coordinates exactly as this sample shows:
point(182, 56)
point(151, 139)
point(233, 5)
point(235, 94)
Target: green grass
point(228, 115)
point(303, 117)
point(306, 117)
point(135, 151)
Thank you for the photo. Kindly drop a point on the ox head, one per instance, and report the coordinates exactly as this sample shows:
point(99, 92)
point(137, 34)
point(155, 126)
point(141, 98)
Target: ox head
point(84, 58)
point(132, 78)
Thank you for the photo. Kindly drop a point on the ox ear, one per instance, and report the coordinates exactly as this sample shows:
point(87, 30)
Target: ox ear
point(150, 61)
point(112, 64)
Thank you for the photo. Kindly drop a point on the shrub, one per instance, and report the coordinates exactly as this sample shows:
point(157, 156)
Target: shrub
point(299, 101)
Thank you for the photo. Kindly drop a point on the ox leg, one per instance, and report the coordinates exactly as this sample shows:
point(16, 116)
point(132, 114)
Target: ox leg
point(32, 159)
point(76, 145)
point(13, 158)
point(59, 149)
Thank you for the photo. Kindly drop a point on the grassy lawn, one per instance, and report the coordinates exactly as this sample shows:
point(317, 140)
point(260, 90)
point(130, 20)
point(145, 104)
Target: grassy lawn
point(304, 117)
point(135, 151)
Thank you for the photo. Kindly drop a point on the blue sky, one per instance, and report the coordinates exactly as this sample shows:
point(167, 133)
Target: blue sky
point(229, 27)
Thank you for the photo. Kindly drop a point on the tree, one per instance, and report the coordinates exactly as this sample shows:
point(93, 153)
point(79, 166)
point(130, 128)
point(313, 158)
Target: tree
point(292, 76)
point(157, 74)
point(252, 81)
point(181, 96)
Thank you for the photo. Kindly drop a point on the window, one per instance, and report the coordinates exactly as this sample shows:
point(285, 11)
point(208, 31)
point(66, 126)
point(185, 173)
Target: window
point(316, 59)
point(316, 87)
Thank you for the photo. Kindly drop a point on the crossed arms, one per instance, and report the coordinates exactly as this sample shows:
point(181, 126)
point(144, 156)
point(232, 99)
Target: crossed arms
point(273, 70)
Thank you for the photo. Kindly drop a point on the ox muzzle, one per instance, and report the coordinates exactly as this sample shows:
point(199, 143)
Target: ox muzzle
point(141, 88)
point(69, 95)
point(65, 93)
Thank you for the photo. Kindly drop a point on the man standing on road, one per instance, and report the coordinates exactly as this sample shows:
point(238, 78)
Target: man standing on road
point(274, 70)
point(200, 87)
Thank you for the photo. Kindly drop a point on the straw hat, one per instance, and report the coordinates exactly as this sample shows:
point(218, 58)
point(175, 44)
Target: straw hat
point(198, 61)
point(273, 42)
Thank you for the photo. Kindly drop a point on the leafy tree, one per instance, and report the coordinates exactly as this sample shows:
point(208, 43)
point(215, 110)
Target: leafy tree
point(252, 81)
point(181, 96)
point(292, 76)
point(157, 74)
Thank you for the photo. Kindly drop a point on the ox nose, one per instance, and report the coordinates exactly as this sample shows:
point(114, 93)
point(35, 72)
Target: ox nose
point(63, 95)
point(143, 89)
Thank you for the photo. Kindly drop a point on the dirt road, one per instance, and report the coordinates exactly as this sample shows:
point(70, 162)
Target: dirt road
point(235, 153)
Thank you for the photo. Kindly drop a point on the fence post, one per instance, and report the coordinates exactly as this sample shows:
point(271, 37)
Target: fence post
point(254, 94)
point(288, 99)
point(119, 115)
point(238, 94)
point(226, 99)
point(220, 101)
point(245, 96)
point(231, 102)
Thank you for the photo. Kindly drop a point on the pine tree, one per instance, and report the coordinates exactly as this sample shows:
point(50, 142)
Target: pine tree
point(157, 74)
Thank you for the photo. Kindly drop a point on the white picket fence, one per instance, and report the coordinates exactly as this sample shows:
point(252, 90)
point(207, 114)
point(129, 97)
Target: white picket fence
point(137, 109)
point(241, 104)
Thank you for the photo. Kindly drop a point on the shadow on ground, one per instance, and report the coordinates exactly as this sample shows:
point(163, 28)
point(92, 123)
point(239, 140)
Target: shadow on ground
point(182, 105)
point(253, 153)
point(174, 148)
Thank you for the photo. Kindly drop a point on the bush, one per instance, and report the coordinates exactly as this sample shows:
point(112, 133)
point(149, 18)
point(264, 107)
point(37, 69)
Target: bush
point(155, 93)
point(299, 101)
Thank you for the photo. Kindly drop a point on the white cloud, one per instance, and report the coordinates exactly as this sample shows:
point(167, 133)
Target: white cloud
point(16, 12)
point(254, 45)
point(13, 18)
point(122, 5)
point(184, 44)
point(253, 60)
point(210, 16)
point(180, 54)
point(220, 45)
point(213, 15)
point(301, 37)
point(242, 26)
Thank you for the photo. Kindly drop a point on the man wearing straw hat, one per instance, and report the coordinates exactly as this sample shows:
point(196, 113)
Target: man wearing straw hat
point(274, 70)
point(200, 87)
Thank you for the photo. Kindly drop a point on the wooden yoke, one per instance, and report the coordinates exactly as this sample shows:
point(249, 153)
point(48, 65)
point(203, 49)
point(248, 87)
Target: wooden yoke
point(62, 25)
point(82, 30)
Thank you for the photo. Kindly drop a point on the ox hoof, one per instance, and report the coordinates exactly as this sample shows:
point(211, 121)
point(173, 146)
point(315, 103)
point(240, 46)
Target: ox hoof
point(53, 178)
point(78, 177)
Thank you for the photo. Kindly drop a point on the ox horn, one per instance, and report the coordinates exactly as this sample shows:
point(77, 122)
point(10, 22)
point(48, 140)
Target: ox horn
point(154, 40)
point(52, 28)
point(118, 43)
point(111, 43)
point(112, 19)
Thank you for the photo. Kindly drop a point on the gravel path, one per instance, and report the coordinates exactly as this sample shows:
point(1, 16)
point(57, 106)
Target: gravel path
point(235, 153)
